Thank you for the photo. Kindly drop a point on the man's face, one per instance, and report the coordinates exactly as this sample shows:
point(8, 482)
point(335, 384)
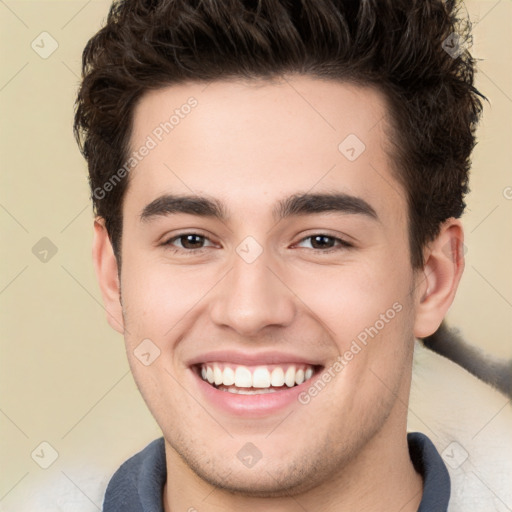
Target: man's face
point(268, 293)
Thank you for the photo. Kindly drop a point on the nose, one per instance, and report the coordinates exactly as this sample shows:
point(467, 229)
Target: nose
point(252, 297)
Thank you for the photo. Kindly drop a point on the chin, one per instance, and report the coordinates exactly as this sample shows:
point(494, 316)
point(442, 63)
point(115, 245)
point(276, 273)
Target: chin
point(260, 483)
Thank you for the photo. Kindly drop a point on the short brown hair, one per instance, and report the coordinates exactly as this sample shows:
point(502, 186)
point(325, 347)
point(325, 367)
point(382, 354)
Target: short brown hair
point(401, 47)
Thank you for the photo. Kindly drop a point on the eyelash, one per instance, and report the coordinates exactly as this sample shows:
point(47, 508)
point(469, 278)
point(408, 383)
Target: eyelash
point(342, 244)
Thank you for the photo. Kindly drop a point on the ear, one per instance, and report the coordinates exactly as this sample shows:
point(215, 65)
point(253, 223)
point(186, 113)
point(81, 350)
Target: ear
point(105, 265)
point(438, 281)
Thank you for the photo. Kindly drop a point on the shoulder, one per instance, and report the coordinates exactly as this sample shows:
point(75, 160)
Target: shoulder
point(429, 464)
point(138, 481)
point(470, 424)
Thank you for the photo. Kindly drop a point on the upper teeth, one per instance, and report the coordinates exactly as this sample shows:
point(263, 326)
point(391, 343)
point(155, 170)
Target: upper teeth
point(257, 376)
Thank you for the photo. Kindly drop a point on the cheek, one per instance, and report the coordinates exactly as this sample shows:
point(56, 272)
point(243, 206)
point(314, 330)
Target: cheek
point(157, 296)
point(348, 299)
point(368, 313)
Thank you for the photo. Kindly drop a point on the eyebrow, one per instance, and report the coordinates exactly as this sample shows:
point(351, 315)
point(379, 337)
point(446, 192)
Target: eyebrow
point(297, 204)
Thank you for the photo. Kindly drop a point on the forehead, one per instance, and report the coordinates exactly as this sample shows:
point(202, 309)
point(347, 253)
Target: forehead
point(247, 141)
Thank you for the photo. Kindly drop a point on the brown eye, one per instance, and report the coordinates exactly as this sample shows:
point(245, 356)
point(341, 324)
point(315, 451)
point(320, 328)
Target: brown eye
point(325, 243)
point(188, 242)
point(322, 242)
point(191, 241)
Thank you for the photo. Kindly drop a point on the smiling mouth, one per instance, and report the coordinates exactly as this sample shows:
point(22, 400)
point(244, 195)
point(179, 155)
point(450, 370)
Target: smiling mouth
point(255, 380)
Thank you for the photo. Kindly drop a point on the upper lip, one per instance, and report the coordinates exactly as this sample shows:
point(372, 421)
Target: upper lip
point(252, 358)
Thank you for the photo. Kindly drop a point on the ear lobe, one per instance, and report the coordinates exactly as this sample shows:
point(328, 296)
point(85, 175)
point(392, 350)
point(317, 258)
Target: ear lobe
point(440, 278)
point(105, 265)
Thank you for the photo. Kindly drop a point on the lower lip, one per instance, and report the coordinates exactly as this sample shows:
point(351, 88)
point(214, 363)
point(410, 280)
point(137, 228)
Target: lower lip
point(251, 405)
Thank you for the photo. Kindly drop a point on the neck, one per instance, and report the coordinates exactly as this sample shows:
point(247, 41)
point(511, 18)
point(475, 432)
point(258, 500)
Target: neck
point(381, 477)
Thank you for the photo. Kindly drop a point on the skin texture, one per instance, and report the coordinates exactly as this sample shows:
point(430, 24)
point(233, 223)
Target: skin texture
point(249, 145)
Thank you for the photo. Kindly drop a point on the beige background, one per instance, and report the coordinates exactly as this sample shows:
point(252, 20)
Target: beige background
point(64, 378)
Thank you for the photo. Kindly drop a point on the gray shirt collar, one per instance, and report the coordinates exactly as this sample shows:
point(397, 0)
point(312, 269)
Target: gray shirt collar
point(137, 486)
